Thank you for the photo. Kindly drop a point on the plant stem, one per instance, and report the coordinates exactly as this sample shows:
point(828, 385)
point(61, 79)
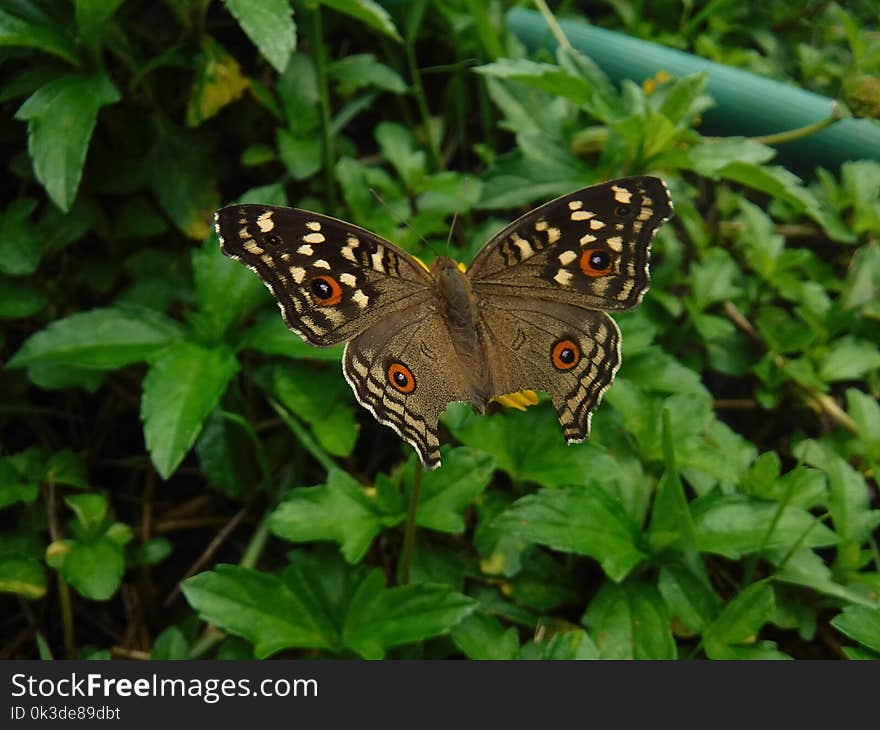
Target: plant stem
point(555, 28)
point(304, 437)
point(256, 544)
point(409, 530)
point(801, 132)
point(324, 99)
point(422, 103)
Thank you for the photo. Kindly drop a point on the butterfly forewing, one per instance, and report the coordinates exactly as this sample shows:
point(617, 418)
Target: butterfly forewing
point(590, 248)
point(332, 279)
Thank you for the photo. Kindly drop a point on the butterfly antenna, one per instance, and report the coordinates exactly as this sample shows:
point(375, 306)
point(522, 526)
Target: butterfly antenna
point(375, 194)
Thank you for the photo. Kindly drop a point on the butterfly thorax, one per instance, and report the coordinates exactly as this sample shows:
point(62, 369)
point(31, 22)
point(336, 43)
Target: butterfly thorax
point(460, 310)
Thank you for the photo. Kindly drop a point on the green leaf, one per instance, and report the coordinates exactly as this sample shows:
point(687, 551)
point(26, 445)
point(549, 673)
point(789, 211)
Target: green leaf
point(865, 411)
point(482, 636)
point(340, 510)
point(742, 618)
point(21, 576)
point(849, 358)
point(92, 16)
point(21, 244)
point(94, 569)
point(102, 339)
point(322, 399)
point(370, 13)
point(183, 385)
point(271, 336)
point(380, 618)
point(271, 613)
point(398, 147)
point(301, 153)
point(734, 526)
point(16, 486)
point(90, 511)
point(226, 291)
point(361, 70)
point(26, 33)
point(170, 644)
point(543, 76)
point(19, 299)
point(582, 520)
point(860, 623)
point(269, 24)
point(849, 500)
point(61, 117)
point(448, 492)
point(687, 597)
point(562, 646)
point(629, 621)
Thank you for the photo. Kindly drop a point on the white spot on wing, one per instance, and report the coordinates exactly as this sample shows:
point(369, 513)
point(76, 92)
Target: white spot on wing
point(314, 238)
point(566, 257)
point(596, 224)
point(321, 264)
point(563, 277)
point(346, 278)
point(360, 299)
point(298, 273)
point(575, 204)
point(313, 226)
point(265, 222)
point(305, 250)
point(621, 195)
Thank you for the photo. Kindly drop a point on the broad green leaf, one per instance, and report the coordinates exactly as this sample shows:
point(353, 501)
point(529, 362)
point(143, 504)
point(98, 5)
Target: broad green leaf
point(272, 613)
point(380, 618)
point(269, 24)
point(369, 12)
point(21, 245)
point(543, 76)
point(849, 358)
point(182, 386)
point(687, 597)
point(94, 569)
point(709, 157)
point(226, 456)
point(301, 153)
point(102, 339)
point(860, 623)
point(447, 492)
point(92, 16)
point(61, 117)
point(22, 576)
point(629, 621)
point(16, 486)
point(805, 568)
point(298, 90)
point(734, 526)
point(398, 147)
point(741, 619)
point(90, 511)
point(360, 70)
point(322, 399)
point(562, 646)
point(170, 644)
point(26, 33)
point(582, 520)
point(340, 510)
point(865, 411)
point(226, 291)
point(482, 636)
point(271, 336)
point(218, 81)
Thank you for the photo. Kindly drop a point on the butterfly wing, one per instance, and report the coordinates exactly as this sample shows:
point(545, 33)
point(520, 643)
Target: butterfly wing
point(570, 352)
point(589, 248)
point(405, 371)
point(332, 279)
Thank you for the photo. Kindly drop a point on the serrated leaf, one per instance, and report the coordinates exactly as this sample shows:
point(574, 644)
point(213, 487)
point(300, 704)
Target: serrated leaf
point(543, 76)
point(61, 117)
point(742, 618)
point(849, 358)
point(339, 510)
point(398, 147)
point(370, 13)
point(687, 597)
point(582, 520)
point(361, 70)
point(448, 492)
point(182, 386)
point(380, 618)
point(629, 621)
point(270, 26)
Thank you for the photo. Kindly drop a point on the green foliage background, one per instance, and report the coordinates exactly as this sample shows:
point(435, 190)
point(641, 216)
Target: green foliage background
point(182, 477)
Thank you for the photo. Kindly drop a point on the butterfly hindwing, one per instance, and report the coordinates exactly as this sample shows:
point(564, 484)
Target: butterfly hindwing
point(332, 279)
point(569, 352)
point(590, 248)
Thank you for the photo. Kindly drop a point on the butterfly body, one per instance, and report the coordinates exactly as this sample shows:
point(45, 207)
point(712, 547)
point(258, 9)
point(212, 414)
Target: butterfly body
point(529, 313)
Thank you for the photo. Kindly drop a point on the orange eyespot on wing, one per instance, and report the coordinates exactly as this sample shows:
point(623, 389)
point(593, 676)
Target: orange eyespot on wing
point(325, 291)
point(401, 378)
point(565, 355)
point(595, 262)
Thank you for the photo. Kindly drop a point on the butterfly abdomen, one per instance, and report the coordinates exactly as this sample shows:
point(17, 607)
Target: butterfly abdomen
point(459, 308)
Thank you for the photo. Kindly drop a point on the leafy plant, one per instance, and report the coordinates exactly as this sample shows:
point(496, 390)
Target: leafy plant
point(166, 441)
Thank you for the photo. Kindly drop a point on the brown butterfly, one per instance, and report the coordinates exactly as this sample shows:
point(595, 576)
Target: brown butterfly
point(529, 312)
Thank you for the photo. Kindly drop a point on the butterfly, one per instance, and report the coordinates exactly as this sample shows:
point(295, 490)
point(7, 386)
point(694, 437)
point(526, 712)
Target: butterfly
point(530, 312)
